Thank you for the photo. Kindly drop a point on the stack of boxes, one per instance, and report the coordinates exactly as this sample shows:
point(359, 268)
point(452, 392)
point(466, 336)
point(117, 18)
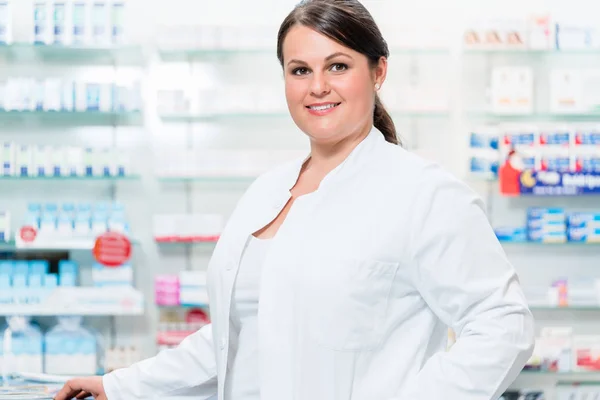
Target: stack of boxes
point(546, 225)
point(30, 282)
point(583, 227)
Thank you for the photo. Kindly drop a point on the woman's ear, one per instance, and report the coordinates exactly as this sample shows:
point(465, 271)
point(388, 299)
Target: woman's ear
point(380, 71)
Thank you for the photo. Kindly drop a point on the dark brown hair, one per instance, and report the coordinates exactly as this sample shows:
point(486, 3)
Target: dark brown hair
point(349, 23)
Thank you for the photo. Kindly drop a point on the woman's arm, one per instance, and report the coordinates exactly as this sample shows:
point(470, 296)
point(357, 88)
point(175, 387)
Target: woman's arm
point(462, 273)
point(186, 372)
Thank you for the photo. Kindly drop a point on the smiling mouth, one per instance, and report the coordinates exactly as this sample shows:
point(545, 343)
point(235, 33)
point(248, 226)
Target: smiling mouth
point(323, 107)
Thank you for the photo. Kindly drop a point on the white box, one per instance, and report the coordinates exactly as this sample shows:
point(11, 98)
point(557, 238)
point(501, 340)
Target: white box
point(74, 161)
point(512, 90)
point(42, 33)
point(42, 161)
point(52, 95)
point(24, 160)
point(6, 29)
point(8, 159)
point(59, 165)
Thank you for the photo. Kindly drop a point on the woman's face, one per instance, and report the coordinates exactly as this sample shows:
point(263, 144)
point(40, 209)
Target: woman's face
point(329, 88)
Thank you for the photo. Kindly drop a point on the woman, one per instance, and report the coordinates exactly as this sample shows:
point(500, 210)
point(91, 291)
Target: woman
point(362, 255)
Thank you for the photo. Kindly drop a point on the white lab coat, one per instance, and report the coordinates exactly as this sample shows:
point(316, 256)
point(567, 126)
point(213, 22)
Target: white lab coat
point(358, 289)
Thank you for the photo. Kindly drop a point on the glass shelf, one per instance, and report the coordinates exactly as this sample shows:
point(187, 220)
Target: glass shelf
point(549, 244)
point(418, 114)
point(590, 116)
point(187, 54)
point(207, 179)
point(71, 178)
point(590, 307)
point(516, 51)
point(64, 245)
point(80, 54)
point(574, 376)
point(221, 117)
point(78, 117)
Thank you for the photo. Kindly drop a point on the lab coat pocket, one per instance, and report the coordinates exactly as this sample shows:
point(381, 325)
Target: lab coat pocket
point(348, 302)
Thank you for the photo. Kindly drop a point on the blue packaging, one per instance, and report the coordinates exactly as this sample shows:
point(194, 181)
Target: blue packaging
point(483, 165)
point(514, 235)
point(93, 96)
point(79, 24)
point(48, 222)
point(67, 273)
point(541, 236)
point(551, 214)
point(587, 163)
point(7, 267)
point(35, 291)
point(556, 163)
point(38, 267)
point(587, 138)
point(586, 235)
point(21, 267)
point(521, 139)
point(582, 220)
point(483, 141)
point(40, 21)
point(60, 20)
point(6, 295)
point(562, 139)
point(50, 281)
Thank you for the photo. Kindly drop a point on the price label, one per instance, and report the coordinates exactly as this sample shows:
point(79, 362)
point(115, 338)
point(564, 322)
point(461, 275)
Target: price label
point(112, 249)
point(28, 234)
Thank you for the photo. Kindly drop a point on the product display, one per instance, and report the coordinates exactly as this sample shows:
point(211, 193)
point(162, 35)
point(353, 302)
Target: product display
point(4, 226)
point(55, 94)
point(179, 162)
point(63, 161)
point(187, 227)
point(212, 37)
point(574, 91)
point(78, 22)
point(532, 32)
point(224, 100)
point(512, 90)
point(186, 289)
point(175, 326)
point(554, 225)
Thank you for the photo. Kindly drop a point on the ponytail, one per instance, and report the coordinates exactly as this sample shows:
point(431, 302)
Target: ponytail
point(383, 122)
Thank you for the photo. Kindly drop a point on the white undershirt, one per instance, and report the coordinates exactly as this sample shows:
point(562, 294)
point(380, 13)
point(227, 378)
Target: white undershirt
point(242, 374)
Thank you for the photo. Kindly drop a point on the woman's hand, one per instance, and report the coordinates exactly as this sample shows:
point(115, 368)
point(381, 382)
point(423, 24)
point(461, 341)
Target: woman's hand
point(82, 388)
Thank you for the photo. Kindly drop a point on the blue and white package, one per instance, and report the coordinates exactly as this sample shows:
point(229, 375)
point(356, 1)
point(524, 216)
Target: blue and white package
point(70, 349)
point(583, 220)
point(558, 138)
point(117, 21)
point(48, 223)
point(80, 22)
point(8, 159)
point(589, 137)
point(38, 267)
point(585, 234)
point(64, 224)
point(587, 163)
point(556, 163)
point(540, 235)
point(93, 96)
point(60, 21)
point(100, 29)
point(511, 234)
point(99, 223)
point(5, 23)
point(120, 276)
point(40, 21)
point(67, 273)
point(517, 140)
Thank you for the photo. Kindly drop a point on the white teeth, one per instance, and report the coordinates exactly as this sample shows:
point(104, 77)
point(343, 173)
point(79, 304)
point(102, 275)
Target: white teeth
point(321, 108)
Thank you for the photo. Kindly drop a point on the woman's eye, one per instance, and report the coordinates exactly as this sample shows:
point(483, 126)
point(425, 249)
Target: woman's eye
point(339, 67)
point(300, 71)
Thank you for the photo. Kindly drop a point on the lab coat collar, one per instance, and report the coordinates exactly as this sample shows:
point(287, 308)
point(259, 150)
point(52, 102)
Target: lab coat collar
point(358, 155)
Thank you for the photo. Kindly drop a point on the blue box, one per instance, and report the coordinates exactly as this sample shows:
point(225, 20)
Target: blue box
point(21, 267)
point(7, 267)
point(582, 220)
point(540, 236)
point(38, 267)
point(518, 234)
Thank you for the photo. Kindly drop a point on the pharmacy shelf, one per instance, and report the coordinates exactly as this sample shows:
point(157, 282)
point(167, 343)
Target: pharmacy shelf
point(199, 53)
point(538, 116)
point(541, 307)
point(52, 245)
point(89, 55)
point(71, 178)
point(207, 179)
point(579, 376)
point(203, 242)
point(76, 117)
point(547, 244)
point(84, 301)
point(221, 117)
point(537, 52)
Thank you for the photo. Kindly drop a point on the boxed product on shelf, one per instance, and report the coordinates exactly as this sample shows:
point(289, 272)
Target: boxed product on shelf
point(6, 23)
point(24, 351)
point(78, 22)
point(4, 226)
point(70, 349)
point(547, 225)
point(512, 90)
point(552, 351)
point(121, 275)
point(121, 357)
point(576, 35)
point(496, 33)
point(67, 161)
point(186, 289)
point(187, 227)
point(176, 325)
point(586, 352)
point(574, 91)
point(483, 151)
point(53, 94)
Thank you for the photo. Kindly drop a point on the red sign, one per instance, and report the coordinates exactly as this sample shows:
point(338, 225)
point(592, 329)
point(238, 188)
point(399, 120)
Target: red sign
point(112, 249)
point(28, 234)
